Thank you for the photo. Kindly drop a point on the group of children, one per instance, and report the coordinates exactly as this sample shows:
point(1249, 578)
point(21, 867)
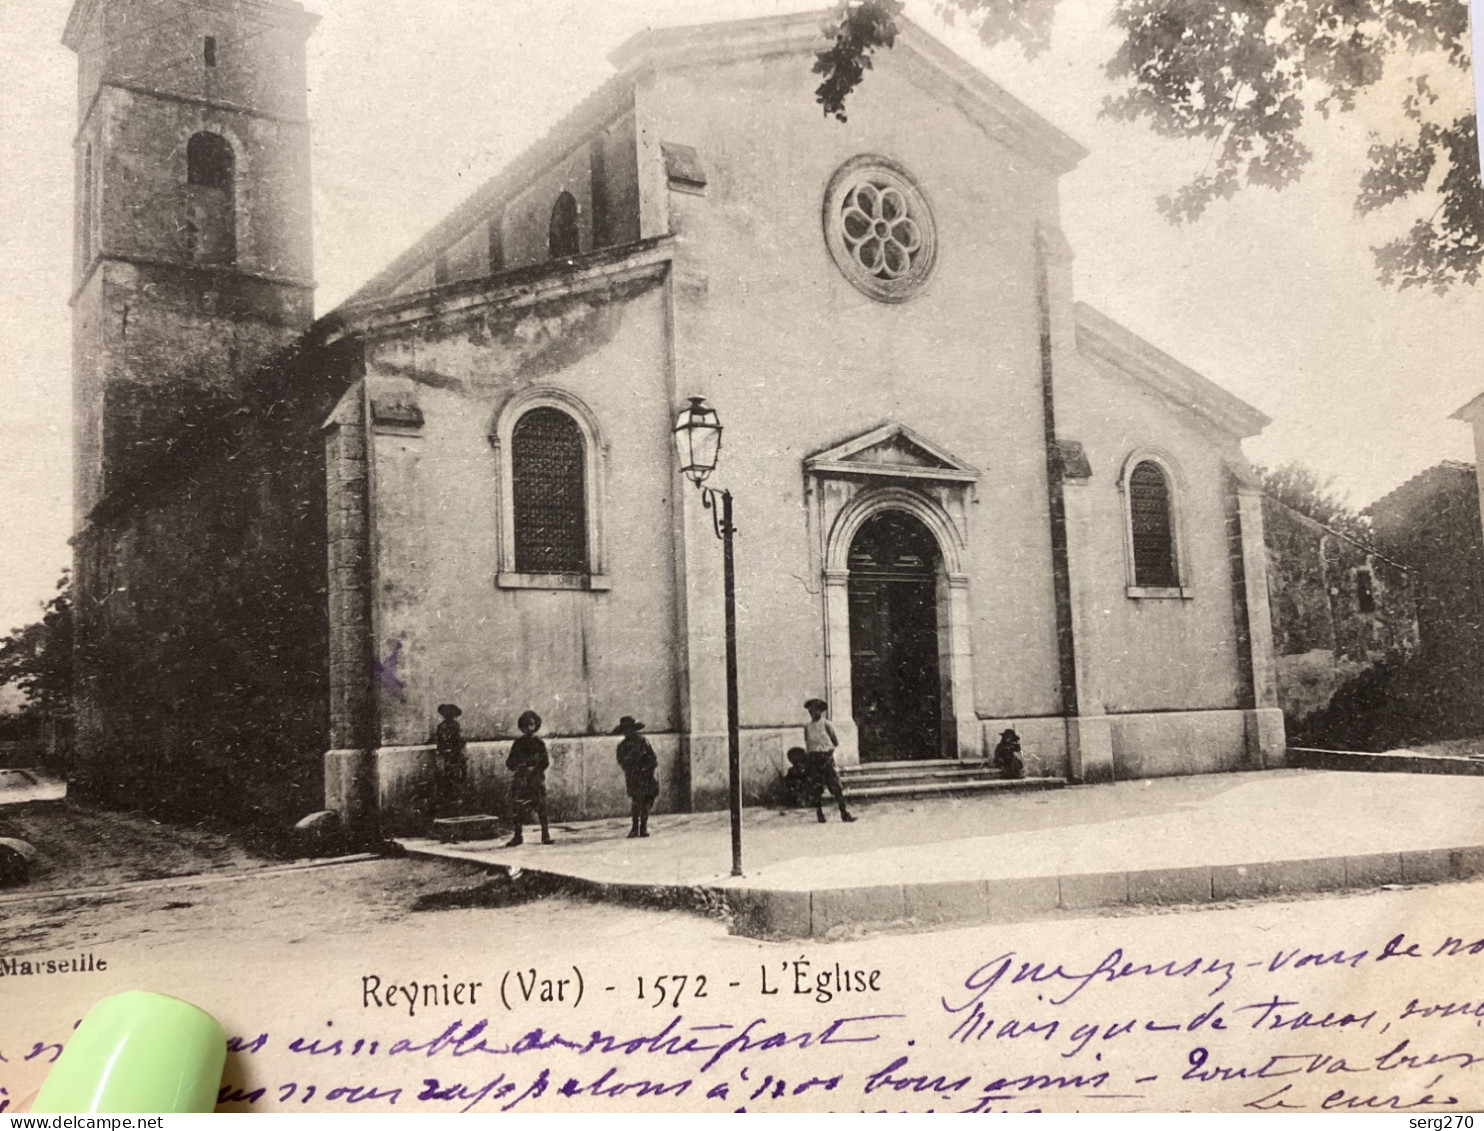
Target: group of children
point(528, 763)
point(811, 768)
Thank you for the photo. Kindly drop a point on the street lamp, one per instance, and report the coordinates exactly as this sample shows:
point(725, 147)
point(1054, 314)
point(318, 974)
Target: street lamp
point(698, 442)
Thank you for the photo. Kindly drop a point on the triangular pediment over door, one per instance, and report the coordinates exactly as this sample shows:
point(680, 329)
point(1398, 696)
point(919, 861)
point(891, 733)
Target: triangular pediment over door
point(892, 450)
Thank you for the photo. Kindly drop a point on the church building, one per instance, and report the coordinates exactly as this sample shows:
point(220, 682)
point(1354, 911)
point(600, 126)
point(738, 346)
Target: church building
point(964, 501)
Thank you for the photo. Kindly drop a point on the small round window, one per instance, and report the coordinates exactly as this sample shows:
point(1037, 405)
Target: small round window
point(879, 229)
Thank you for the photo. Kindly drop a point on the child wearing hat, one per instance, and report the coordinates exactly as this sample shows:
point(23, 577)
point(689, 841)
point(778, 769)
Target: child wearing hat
point(637, 760)
point(820, 741)
point(801, 782)
point(527, 764)
point(451, 769)
point(1007, 755)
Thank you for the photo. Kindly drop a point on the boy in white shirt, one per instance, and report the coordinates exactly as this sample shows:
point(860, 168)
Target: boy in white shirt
point(820, 741)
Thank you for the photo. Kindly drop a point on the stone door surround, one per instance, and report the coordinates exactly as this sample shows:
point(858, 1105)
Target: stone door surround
point(894, 468)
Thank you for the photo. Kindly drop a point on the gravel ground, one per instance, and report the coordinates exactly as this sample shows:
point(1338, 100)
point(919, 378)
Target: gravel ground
point(82, 847)
point(282, 907)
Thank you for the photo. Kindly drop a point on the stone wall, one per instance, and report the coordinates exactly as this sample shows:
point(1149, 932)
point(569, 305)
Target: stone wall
point(1339, 608)
point(203, 646)
point(1431, 523)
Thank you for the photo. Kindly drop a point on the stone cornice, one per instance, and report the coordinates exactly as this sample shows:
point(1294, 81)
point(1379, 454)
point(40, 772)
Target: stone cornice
point(1098, 336)
point(509, 290)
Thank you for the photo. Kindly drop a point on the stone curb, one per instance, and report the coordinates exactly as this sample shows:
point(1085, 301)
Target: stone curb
point(1357, 762)
point(828, 913)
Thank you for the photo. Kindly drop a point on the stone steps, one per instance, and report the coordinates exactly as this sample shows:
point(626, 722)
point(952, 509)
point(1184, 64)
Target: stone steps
point(933, 778)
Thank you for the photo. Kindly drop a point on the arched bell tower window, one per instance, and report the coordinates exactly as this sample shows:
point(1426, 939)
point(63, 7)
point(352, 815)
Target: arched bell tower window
point(211, 199)
point(210, 161)
point(1152, 522)
point(563, 236)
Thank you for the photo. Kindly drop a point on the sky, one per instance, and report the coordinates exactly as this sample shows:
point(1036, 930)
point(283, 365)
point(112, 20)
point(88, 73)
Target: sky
point(1272, 295)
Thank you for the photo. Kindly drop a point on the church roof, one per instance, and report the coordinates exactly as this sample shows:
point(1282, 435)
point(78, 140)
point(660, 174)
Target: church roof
point(940, 70)
point(1447, 475)
point(1099, 336)
point(1471, 413)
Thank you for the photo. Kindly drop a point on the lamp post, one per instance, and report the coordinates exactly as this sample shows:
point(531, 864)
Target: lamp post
point(698, 442)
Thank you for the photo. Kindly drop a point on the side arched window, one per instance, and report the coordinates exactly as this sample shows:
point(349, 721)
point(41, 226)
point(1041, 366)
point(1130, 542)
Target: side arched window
point(563, 237)
point(211, 199)
point(1152, 526)
point(549, 493)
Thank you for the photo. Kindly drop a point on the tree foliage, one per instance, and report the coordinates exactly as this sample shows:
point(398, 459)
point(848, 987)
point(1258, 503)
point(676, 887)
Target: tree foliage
point(863, 27)
point(1246, 76)
point(1303, 490)
point(37, 658)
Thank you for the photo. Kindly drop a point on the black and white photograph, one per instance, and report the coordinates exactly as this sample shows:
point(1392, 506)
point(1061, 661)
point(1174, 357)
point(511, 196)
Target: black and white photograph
point(748, 555)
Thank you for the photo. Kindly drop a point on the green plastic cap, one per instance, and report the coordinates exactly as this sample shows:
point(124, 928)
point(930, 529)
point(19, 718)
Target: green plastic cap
point(138, 1053)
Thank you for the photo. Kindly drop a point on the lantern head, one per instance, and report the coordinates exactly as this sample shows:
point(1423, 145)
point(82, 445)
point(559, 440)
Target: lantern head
point(697, 440)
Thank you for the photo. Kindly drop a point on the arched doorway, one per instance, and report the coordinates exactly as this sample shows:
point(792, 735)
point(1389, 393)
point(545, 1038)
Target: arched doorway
point(896, 687)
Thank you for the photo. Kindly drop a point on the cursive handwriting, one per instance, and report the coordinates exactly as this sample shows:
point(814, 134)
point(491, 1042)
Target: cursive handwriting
point(1112, 968)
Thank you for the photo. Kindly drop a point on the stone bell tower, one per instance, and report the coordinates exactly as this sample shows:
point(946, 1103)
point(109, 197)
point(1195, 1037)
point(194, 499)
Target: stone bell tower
point(193, 259)
point(192, 267)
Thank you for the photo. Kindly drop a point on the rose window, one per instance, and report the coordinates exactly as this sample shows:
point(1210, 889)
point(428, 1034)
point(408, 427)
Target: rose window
point(880, 235)
point(879, 229)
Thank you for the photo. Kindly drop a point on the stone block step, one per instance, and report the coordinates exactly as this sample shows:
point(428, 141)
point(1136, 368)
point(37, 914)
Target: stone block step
point(910, 789)
point(913, 768)
point(478, 827)
point(869, 777)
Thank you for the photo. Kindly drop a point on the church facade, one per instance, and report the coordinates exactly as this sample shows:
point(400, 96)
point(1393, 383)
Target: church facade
point(965, 502)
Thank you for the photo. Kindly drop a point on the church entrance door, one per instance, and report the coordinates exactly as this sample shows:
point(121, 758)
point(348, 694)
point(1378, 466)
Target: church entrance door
point(896, 691)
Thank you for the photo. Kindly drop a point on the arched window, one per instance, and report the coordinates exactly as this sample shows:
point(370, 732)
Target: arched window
point(1152, 527)
point(563, 238)
point(551, 461)
point(211, 220)
point(210, 161)
point(549, 493)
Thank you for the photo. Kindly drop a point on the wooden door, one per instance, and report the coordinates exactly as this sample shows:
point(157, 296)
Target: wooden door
point(896, 688)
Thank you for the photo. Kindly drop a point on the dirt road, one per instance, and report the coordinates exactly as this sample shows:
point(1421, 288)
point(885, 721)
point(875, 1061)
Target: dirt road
point(1343, 1003)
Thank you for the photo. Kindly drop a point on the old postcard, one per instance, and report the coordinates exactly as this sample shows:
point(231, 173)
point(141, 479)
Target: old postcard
point(712, 555)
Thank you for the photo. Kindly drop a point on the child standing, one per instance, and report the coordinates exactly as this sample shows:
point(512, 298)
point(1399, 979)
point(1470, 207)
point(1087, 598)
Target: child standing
point(452, 771)
point(820, 741)
point(527, 764)
point(636, 758)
